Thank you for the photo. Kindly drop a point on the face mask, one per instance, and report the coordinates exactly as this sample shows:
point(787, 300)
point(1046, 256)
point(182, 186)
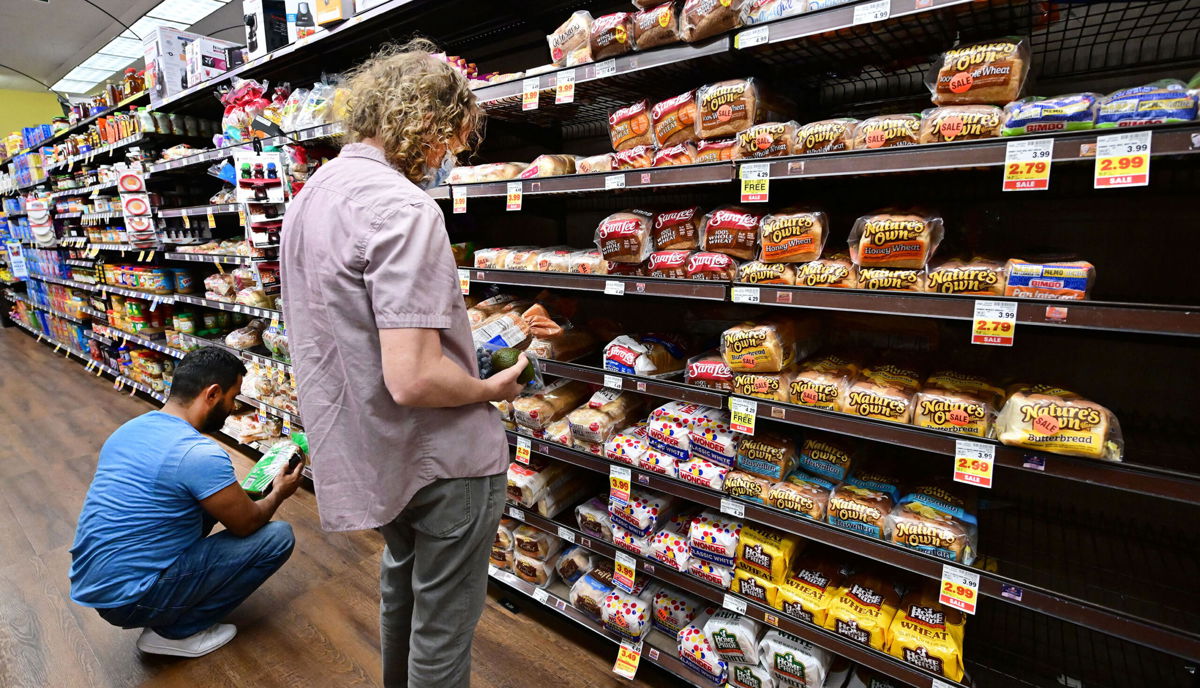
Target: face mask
point(441, 174)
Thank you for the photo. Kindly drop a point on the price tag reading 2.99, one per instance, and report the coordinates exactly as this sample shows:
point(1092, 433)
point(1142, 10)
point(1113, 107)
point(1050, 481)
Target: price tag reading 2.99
point(960, 589)
point(1123, 160)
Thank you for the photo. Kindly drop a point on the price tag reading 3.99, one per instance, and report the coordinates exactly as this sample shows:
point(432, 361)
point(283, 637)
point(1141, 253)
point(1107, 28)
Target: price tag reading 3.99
point(515, 196)
point(1027, 165)
point(1123, 160)
point(995, 323)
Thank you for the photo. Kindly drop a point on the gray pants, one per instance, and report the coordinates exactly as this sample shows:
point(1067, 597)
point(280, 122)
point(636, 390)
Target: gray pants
point(433, 581)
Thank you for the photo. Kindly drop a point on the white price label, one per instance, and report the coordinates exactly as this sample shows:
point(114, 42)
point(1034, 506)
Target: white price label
point(1027, 165)
point(745, 295)
point(613, 381)
point(1122, 160)
point(529, 93)
point(733, 507)
point(458, 195)
point(872, 11)
point(975, 462)
point(516, 513)
point(606, 68)
point(614, 181)
point(541, 595)
point(939, 683)
point(960, 588)
point(493, 571)
point(566, 534)
point(614, 287)
point(995, 323)
point(756, 182)
point(515, 197)
point(734, 603)
point(564, 87)
point(464, 280)
point(742, 415)
point(523, 448)
point(752, 37)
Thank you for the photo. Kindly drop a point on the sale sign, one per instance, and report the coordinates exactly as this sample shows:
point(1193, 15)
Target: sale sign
point(1027, 165)
point(994, 323)
point(959, 589)
point(1122, 160)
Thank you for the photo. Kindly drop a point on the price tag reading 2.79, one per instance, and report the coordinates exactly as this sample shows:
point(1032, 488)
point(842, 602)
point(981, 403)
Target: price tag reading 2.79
point(1123, 160)
point(995, 323)
point(1027, 165)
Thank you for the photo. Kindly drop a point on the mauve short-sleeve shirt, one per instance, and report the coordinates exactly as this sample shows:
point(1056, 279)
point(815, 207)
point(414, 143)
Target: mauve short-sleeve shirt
point(364, 249)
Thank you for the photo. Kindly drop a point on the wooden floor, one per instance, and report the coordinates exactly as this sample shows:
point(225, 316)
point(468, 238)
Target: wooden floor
point(312, 624)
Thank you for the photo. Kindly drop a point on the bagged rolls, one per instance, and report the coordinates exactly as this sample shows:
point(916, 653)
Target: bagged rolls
point(720, 576)
point(504, 533)
point(659, 462)
point(766, 140)
point(961, 123)
point(611, 35)
point(655, 26)
point(604, 413)
point(626, 615)
point(671, 548)
point(1065, 281)
point(758, 272)
point(630, 126)
point(747, 486)
point(834, 270)
point(888, 131)
point(631, 542)
point(570, 38)
point(538, 410)
point(1034, 114)
point(978, 276)
point(700, 19)
point(770, 386)
point(573, 563)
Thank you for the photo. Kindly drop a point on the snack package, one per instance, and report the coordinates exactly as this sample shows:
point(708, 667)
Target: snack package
point(593, 520)
point(1066, 281)
point(747, 486)
point(549, 166)
point(727, 107)
point(673, 611)
point(938, 519)
point(573, 35)
point(895, 239)
point(766, 140)
point(767, 552)
point(674, 119)
point(573, 563)
point(587, 262)
point(595, 163)
point(976, 277)
point(624, 237)
point(834, 270)
point(770, 386)
point(700, 19)
point(1160, 102)
point(679, 154)
point(709, 371)
point(716, 151)
point(677, 229)
point(990, 72)
point(928, 634)
point(732, 230)
point(765, 347)
point(532, 570)
point(887, 131)
point(826, 455)
point(862, 504)
point(758, 272)
point(809, 589)
point(644, 512)
point(883, 392)
point(696, 652)
point(710, 266)
point(713, 537)
point(803, 494)
point(650, 354)
point(588, 593)
point(668, 264)
point(890, 279)
point(711, 438)
point(702, 472)
point(863, 609)
point(734, 637)
point(636, 158)
point(656, 26)
point(754, 586)
point(961, 123)
point(1059, 421)
point(630, 126)
point(611, 35)
point(760, 11)
point(792, 235)
point(958, 403)
point(1036, 115)
point(626, 615)
point(826, 136)
point(720, 576)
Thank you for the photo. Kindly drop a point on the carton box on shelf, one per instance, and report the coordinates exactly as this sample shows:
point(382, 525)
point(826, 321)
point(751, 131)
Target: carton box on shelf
point(266, 26)
point(206, 58)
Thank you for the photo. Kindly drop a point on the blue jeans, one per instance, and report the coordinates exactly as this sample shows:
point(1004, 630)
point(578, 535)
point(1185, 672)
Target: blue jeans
point(209, 580)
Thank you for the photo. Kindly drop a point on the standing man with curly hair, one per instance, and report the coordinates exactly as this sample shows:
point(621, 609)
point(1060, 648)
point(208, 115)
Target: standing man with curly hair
point(403, 437)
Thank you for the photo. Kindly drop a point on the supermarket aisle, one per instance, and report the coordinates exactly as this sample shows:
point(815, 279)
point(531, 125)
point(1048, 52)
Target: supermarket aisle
point(313, 624)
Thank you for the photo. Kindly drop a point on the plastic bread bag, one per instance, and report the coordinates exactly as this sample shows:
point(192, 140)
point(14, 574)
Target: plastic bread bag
point(716, 151)
point(655, 26)
point(826, 136)
point(504, 533)
point(711, 266)
point(955, 402)
point(700, 19)
point(527, 483)
point(669, 428)
point(828, 456)
point(734, 637)
point(630, 126)
point(766, 140)
point(568, 346)
point(862, 505)
point(834, 270)
point(244, 338)
point(674, 119)
point(891, 279)
point(588, 593)
point(530, 570)
point(679, 154)
point(766, 552)
point(809, 589)
point(611, 35)
point(661, 462)
point(534, 543)
point(1161, 102)
point(671, 548)
point(702, 472)
point(549, 166)
point(696, 652)
point(961, 123)
point(636, 158)
point(761, 11)
point(715, 574)
point(571, 36)
point(888, 131)
point(758, 272)
point(711, 438)
point(802, 494)
point(883, 392)
point(292, 109)
point(221, 284)
point(592, 518)
point(793, 235)
point(499, 171)
point(462, 175)
point(863, 609)
point(628, 446)
point(551, 503)
point(626, 615)
point(644, 512)
point(750, 675)
point(764, 347)
point(727, 107)
point(1037, 115)
point(710, 371)
point(989, 73)
point(895, 238)
point(753, 585)
point(552, 260)
point(713, 537)
point(573, 563)
point(770, 386)
point(768, 455)
point(673, 611)
point(976, 277)
point(558, 432)
point(668, 264)
point(595, 163)
point(793, 661)
point(651, 355)
point(1059, 421)
point(597, 423)
point(928, 634)
point(502, 558)
point(747, 486)
point(316, 110)
point(677, 229)
point(587, 262)
point(938, 519)
point(1063, 281)
point(624, 237)
point(540, 409)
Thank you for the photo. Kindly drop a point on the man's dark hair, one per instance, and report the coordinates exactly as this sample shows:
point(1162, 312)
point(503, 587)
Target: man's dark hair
point(204, 367)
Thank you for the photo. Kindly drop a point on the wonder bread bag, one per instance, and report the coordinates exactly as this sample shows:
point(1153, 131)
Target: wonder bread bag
point(734, 637)
point(644, 512)
point(767, 552)
point(629, 445)
point(883, 392)
point(627, 615)
point(936, 518)
point(696, 650)
point(1059, 421)
point(702, 472)
point(957, 402)
point(989, 72)
point(673, 611)
point(863, 502)
point(713, 537)
point(927, 634)
point(862, 609)
point(711, 438)
point(792, 661)
point(810, 588)
point(822, 381)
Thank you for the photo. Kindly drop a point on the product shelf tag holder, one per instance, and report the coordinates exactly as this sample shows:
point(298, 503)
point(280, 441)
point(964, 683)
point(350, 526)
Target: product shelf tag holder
point(624, 571)
point(959, 589)
point(459, 195)
point(566, 534)
point(869, 12)
point(541, 595)
point(606, 68)
point(618, 485)
point(212, 221)
point(974, 462)
point(523, 447)
point(734, 603)
point(994, 323)
point(614, 181)
point(614, 287)
point(744, 295)
point(613, 381)
point(752, 37)
point(529, 93)
point(1027, 165)
point(756, 182)
point(464, 280)
point(742, 414)
point(515, 196)
point(629, 655)
point(1122, 160)
point(564, 88)
point(733, 507)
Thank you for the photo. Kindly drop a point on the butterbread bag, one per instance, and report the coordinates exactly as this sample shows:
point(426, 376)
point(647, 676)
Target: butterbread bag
point(961, 123)
point(989, 72)
point(976, 277)
point(713, 537)
point(792, 235)
point(937, 519)
point(677, 229)
point(802, 494)
point(827, 455)
point(826, 136)
point(673, 611)
point(888, 131)
point(834, 270)
point(927, 634)
point(895, 239)
point(768, 346)
point(758, 272)
point(770, 386)
point(769, 455)
point(822, 382)
point(715, 574)
point(734, 637)
point(747, 486)
point(957, 402)
point(767, 552)
point(702, 472)
point(792, 661)
point(752, 585)
point(883, 392)
point(1065, 281)
point(863, 609)
point(1060, 421)
point(674, 119)
point(710, 371)
point(808, 591)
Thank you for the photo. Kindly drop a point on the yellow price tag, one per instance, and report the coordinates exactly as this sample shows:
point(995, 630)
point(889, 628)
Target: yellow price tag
point(514, 197)
point(619, 485)
point(242, 217)
point(212, 221)
point(756, 182)
point(523, 447)
point(464, 280)
point(141, 256)
point(529, 93)
point(564, 87)
point(959, 589)
point(628, 658)
point(1122, 160)
point(994, 323)
point(187, 221)
point(57, 347)
point(150, 257)
point(1027, 165)
point(742, 415)
point(460, 199)
point(624, 571)
point(220, 268)
point(99, 370)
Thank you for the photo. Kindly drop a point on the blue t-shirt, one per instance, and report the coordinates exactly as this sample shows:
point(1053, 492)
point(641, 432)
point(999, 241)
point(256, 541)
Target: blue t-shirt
point(143, 507)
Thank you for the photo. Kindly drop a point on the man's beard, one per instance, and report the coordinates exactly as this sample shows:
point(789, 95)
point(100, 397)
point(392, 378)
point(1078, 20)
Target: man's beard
point(215, 419)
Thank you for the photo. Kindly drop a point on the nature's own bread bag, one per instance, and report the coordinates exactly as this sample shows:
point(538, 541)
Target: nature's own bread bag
point(978, 277)
point(961, 123)
point(792, 235)
point(887, 131)
point(989, 72)
point(826, 136)
point(766, 140)
point(894, 238)
point(1056, 420)
point(727, 107)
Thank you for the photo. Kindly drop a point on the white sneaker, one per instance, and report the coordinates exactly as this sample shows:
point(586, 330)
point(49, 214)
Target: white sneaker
point(196, 645)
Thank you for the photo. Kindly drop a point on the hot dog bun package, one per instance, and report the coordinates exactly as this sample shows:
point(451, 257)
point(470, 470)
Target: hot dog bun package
point(1036, 115)
point(674, 119)
point(792, 235)
point(624, 237)
point(727, 107)
point(652, 355)
point(928, 634)
point(938, 519)
point(734, 637)
point(895, 238)
point(1059, 421)
point(792, 661)
point(863, 502)
point(1161, 102)
point(611, 35)
point(768, 455)
point(673, 611)
point(989, 73)
point(1065, 281)
point(713, 537)
point(768, 346)
point(887, 131)
point(976, 277)
point(863, 609)
point(957, 402)
point(655, 26)
point(808, 591)
point(571, 39)
point(883, 392)
point(630, 126)
point(700, 19)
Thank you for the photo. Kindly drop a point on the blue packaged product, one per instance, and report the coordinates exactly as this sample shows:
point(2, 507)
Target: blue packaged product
point(1035, 115)
point(1159, 102)
point(936, 519)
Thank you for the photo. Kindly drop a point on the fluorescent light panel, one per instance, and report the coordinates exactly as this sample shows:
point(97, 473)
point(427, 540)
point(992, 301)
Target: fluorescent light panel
point(68, 86)
point(146, 25)
point(185, 11)
point(109, 63)
point(82, 73)
point(125, 47)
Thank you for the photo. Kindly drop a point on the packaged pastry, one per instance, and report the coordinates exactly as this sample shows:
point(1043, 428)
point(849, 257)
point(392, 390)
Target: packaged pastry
point(593, 520)
point(767, 552)
point(611, 35)
point(749, 675)
point(531, 570)
point(628, 446)
point(720, 576)
point(632, 542)
point(713, 537)
point(549, 166)
point(677, 229)
point(977, 277)
point(587, 262)
point(595, 163)
point(937, 519)
point(768, 346)
point(644, 512)
point(1059, 421)
point(630, 126)
point(887, 131)
point(827, 455)
point(661, 462)
point(700, 19)
point(598, 421)
point(734, 637)
point(1160, 102)
point(674, 119)
point(1065, 281)
point(961, 123)
point(656, 26)
point(624, 237)
point(504, 533)
point(732, 230)
point(758, 272)
point(766, 140)
point(792, 661)
point(711, 438)
point(895, 239)
point(502, 558)
point(863, 609)
point(1036, 115)
point(711, 266)
point(649, 354)
point(534, 543)
point(626, 615)
point(883, 392)
point(862, 504)
point(743, 485)
point(540, 409)
point(727, 107)
point(770, 386)
point(668, 264)
point(573, 563)
point(807, 592)
point(636, 158)
point(802, 494)
point(673, 611)
point(826, 136)
point(990, 72)
point(679, 154)
point(703, 472)
point(570, 37)
point(792, 235)
point(955, 402)
point(753, 585)
point(834, 270)
point(588, 593)
point(927, 634)
point(696, 651)
point(760, 11)
point(716, 151)
point(891, 279)
point(709, 371)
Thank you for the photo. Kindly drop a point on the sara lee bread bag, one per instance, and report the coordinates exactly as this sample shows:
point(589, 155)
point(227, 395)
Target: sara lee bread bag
point(679, 154)
point(928, 634)
point(700, 19)
point(957, 402)
point(961, 123)
point(1060, 421)
point(668, 264)
point(937, 518)
point(674, 119)
point(678, 229)
point(989, 73)
point(826, 136)
point(707, 265)
point(611, 35)
point(976, 277)
point(895, 238)
point(624, 237)
point(732, 230)
point(792, 235)
point(636, 158)
point(710, 371)
point(720, 150)
point(630, 126)
point(655, 26)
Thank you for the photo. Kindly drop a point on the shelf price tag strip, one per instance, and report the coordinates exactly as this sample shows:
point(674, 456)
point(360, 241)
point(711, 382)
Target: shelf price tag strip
point(869, 12)
point(974, 462)
point(1027, 165)
point(959, 589)
point(756, 182)
point(1122, 160)
point(994, 323)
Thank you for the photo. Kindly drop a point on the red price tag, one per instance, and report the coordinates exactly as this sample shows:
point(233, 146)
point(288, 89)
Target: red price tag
point(1122, 160)
point(995, 323)
point(1027, 165)
point(619, 485)
point(974, 462)
point(624, 571)
point(628, 658)
point(959, 589)
point(523, 446)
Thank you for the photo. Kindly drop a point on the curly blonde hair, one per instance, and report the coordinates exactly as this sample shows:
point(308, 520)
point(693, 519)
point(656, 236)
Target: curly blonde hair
point(411, 104)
